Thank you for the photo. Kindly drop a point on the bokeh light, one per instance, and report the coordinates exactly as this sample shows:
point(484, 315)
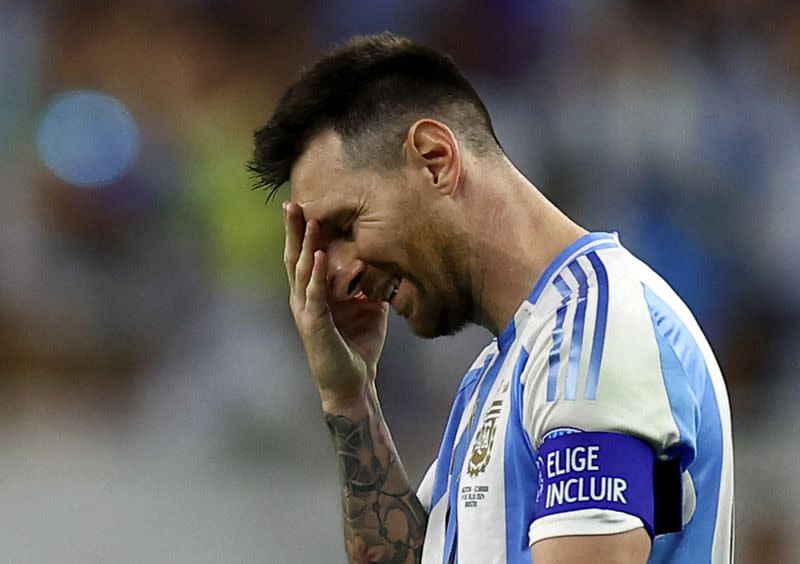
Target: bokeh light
point(87, 138)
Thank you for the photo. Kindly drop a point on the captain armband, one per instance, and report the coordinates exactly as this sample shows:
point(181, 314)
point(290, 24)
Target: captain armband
point(588, 470)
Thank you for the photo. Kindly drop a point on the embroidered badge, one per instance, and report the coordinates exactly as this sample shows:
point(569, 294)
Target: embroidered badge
point(484, 440)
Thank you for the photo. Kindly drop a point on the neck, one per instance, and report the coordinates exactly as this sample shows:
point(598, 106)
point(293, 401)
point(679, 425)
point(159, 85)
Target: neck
point(517, 233)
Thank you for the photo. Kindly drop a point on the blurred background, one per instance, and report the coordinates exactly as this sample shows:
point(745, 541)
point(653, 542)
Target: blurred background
point(154, 401)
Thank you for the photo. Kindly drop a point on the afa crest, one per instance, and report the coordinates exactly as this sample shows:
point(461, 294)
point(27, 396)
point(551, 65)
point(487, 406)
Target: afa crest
point(484, 440)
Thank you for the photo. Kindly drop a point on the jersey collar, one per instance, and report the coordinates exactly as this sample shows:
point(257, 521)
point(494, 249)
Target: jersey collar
point(584, 245)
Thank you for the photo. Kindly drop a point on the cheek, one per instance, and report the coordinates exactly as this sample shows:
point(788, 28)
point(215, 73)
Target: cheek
point(388, 240)
point(370, 241)
point(378, 248)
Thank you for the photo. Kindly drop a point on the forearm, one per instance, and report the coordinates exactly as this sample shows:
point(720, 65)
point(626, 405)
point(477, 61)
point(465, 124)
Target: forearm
point(383, 519)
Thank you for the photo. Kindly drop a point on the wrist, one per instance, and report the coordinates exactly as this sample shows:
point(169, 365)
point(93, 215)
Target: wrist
point(350, 405)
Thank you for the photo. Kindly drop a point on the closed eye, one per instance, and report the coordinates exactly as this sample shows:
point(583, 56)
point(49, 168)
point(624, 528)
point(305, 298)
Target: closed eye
point(340, 226)
point(347, 232)
point(345, 228)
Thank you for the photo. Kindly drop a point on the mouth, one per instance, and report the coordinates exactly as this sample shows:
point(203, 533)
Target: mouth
point(391, 289)
point(388, 293)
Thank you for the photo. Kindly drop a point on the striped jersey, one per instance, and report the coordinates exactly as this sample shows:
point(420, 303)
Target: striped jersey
point(598, 410)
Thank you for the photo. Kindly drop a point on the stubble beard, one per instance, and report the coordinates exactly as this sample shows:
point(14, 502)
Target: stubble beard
point(451, 309)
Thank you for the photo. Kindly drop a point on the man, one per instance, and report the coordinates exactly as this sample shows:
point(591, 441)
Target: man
point(594, 428)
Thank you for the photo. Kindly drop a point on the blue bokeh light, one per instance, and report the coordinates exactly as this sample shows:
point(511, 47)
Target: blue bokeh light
point(87, 138)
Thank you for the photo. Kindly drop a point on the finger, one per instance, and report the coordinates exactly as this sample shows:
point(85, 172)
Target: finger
point(317, 289)
point(306, 261)
point(295, 225)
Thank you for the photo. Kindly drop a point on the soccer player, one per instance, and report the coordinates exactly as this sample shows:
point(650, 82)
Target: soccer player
point(595, 427)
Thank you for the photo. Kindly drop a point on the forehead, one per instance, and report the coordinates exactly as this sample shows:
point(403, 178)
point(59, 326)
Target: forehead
point(320, 173)
point(325, 184)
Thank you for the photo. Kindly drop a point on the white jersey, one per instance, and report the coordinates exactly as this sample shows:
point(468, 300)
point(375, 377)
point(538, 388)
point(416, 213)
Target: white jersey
point(599, 409)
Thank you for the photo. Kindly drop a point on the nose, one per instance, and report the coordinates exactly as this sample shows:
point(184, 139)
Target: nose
point(345, 271)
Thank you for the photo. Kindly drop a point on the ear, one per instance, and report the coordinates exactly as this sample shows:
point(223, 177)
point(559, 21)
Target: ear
point(432, 148)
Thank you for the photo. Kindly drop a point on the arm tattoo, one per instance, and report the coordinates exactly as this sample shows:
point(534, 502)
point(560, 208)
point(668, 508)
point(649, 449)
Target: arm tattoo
point(383, 519)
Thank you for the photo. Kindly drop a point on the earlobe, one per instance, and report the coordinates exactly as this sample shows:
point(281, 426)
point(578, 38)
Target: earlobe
point(433, 148)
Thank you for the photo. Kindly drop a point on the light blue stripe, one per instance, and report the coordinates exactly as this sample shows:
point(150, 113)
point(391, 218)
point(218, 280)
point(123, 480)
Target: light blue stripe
point(693, 403)
point(516, 395)
point(451, 531)
point(519, 474)
point(598, 341)
point(576, 345)
point(558, 337)
point(464, 394)
point(684, 375)
point(451, 518)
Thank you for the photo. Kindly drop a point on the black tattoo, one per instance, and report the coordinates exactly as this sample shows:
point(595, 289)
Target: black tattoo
point(383, 519)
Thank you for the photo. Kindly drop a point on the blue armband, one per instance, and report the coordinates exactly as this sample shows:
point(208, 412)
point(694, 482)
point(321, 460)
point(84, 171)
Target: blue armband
point(587, 470)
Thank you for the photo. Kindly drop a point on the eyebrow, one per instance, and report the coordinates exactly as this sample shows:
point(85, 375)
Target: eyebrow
point(336, 220)
point(340, 212)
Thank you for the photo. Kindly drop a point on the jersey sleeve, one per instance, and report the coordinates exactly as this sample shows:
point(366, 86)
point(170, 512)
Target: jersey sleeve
point(425, 490)
point(610, 435)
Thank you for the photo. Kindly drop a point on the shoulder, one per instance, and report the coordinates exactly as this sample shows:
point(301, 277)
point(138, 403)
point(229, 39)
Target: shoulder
point(590, 308)
point(593, 357)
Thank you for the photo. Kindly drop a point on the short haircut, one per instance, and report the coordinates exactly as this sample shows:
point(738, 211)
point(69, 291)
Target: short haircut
point(369, 91)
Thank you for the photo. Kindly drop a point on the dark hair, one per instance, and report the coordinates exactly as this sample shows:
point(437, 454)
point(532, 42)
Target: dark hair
point(369, 91)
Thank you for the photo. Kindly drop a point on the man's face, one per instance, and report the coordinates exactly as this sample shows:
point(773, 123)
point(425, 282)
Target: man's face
point(387, 235)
